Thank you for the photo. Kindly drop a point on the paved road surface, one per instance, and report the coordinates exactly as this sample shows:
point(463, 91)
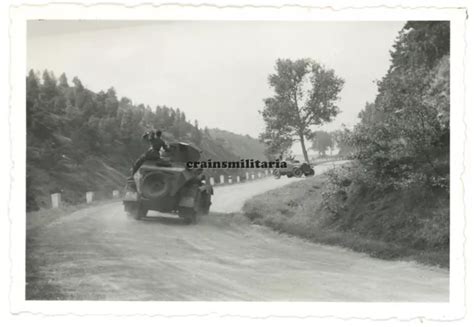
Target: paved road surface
point(100, 254)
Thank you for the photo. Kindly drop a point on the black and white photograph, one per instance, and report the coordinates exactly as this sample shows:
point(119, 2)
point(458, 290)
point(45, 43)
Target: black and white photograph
point(357, 118)
point(242, 160)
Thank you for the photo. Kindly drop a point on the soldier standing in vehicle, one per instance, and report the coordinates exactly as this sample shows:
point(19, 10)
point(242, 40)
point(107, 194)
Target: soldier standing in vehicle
point(153, 152)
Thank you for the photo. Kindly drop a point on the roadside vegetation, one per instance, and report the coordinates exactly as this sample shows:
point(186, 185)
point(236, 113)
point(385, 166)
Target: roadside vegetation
point(408, 225)
point(393, 200)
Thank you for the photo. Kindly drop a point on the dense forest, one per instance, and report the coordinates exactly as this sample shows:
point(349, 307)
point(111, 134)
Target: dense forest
point(398, 186)
point(79, 140)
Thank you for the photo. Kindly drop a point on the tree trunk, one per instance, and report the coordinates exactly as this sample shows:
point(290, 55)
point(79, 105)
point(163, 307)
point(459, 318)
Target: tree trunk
point(303, 148)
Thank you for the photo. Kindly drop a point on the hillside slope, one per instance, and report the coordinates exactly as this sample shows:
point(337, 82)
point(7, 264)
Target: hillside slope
point(79, 140)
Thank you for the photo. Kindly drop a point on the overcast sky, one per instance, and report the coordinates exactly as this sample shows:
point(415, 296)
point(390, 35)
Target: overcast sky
point(215, 71)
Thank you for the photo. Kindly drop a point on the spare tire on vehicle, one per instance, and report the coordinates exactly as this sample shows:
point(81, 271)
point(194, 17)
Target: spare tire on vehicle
point(155, 186)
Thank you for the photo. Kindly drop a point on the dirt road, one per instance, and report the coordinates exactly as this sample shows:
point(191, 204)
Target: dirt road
point(100, 254)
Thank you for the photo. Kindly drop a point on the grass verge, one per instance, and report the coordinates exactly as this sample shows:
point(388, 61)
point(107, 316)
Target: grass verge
point(298, 209)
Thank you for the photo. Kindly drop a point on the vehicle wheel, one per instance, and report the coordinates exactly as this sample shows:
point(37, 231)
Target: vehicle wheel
point(276, 173)
point(135, 211)
point(310, 172)
point(205, 210)
point(205, 203)
point(188, 214)
point(129, 208)
point(298, 172)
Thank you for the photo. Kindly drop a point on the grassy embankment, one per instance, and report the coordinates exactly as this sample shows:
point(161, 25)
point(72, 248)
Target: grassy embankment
point(408, 225)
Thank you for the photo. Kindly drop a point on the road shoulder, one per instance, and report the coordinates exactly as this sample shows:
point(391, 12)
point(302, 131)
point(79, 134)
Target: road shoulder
point(297, 209)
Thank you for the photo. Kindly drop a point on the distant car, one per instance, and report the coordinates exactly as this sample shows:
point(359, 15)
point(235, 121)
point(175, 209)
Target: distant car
point(166, 185)
point(294, 168)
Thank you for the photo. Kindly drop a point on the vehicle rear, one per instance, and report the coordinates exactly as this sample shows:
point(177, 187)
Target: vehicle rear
point(166, 185)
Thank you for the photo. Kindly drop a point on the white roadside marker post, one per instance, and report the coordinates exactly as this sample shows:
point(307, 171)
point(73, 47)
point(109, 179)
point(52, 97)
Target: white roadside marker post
point(89, 197)
point(56, 200)
point(222, 179)
point(211, 180)
point(238, 179)
point(115, 194)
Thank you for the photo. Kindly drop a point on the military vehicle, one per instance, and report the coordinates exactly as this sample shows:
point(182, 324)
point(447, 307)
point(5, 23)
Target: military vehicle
point(167, 185)
point(294, 168)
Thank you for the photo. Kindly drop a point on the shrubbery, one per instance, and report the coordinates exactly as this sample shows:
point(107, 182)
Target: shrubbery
point(335, 209)
point(402, 139)
point(417, 217)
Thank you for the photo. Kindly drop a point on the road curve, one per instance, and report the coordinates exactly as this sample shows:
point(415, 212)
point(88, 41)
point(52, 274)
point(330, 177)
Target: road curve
point(99, 254)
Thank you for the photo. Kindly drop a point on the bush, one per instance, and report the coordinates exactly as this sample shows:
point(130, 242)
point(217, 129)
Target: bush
point(336, 209)
point(415, 215)
point(402, 139)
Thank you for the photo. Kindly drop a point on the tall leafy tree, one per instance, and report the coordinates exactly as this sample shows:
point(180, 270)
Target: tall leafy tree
point(32, 94)
point(277, 145)
point(322, 141)
point(63, 81)
point(306, 94)
point(196, 133)
point(49, 86)
point(342, 139)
